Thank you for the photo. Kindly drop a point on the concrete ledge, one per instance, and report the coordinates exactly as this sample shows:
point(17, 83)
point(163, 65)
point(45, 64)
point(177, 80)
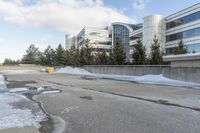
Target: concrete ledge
point(184, 60)
point(20, 130)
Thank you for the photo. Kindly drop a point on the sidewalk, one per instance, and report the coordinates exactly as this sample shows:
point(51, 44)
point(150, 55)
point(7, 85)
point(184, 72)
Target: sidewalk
point(20, 130)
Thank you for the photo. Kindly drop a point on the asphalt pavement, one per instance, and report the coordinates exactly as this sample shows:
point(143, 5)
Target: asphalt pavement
point(94, 105)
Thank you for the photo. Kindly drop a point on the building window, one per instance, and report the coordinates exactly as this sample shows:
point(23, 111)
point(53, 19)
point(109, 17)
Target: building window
point(183, 20)
point(182, 35)
point(170, 51)
point(193, 47)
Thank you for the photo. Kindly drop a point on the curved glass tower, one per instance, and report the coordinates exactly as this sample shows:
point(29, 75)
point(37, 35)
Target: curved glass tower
point(121, 34)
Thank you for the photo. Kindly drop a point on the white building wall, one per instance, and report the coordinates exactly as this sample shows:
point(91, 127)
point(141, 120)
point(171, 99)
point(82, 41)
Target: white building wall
point(97, 37)
point(153, 25)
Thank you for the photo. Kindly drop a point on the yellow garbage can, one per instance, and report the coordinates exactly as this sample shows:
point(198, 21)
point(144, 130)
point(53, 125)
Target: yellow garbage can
point(50, 70)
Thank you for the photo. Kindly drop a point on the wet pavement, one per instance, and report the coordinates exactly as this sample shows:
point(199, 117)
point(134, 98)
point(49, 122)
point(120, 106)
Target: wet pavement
point(95, 105)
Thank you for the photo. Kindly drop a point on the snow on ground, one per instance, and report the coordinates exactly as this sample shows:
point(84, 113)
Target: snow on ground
point(152, 79)
point(12, 116)
point(18, 90)
point(17, 110)
point(50, 92)
point(2, 82)
point(149, 79)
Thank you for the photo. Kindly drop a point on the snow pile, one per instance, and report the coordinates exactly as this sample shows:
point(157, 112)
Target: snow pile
point(2, 82)
point(149, 79)
point(71, 70)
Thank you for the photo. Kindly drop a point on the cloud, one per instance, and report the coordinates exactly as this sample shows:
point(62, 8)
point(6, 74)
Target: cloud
point(140, 4)
point(63, 15)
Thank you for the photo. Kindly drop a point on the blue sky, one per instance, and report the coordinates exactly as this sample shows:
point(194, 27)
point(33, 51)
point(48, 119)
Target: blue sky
point(45, 22)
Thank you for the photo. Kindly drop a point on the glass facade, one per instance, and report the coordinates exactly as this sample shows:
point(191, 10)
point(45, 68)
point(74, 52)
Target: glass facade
point(184, 20)
point(191, 48)
point(170, 51)
point(136, 27)
point(121, 33)
point(182, 35)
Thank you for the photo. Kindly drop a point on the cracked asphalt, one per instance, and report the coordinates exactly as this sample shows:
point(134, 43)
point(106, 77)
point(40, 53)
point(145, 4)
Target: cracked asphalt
point(94, 105)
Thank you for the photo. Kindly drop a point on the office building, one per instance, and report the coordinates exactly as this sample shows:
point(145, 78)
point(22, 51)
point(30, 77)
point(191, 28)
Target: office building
point(97, 38)
point(70, 41)
point(183, 25)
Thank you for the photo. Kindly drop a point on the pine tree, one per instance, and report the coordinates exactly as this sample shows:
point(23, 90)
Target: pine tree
point(156, 54)
point(48, 57)
point(111, 58)
point(101, 57)
point(61, 56)
point(32, 55)
point(81, 57)
point(139, 53)
point(10, 62)
point(181, 49)
point(118, 53)
point(74, 56)
point(87, 53)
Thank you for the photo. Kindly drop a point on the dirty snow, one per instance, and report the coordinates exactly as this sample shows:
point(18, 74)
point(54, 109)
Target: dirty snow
point(2, 82)
point(148, 79)
point(15, 117)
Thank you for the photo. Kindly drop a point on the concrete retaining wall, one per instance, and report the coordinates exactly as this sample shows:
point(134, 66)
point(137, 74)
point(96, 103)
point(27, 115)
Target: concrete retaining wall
point(22, 67)
point(124, 70)
point(184, 74)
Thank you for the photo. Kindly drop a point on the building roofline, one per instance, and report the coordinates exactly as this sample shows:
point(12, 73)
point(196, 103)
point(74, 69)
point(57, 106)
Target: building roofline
point(124, 24)
point(182, 10)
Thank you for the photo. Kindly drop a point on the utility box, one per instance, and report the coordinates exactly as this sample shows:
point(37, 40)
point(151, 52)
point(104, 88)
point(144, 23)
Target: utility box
point(50, 70)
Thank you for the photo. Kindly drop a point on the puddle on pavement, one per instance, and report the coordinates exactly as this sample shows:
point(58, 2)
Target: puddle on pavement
point(19, 84)
point(88, 78)
point(87, 97)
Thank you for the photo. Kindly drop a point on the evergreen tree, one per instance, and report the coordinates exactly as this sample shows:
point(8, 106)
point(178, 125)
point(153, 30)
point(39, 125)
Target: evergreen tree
point(139, 53)
point(10, 62)
point(118, 53)
point(156, 54)
point(111, 58)
point(180, 49)
point(32, 55)
point(48, 57)
point(74, 56)
point(87, 53)
point(101, 57)
point(61, 56)
point(81, 57)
